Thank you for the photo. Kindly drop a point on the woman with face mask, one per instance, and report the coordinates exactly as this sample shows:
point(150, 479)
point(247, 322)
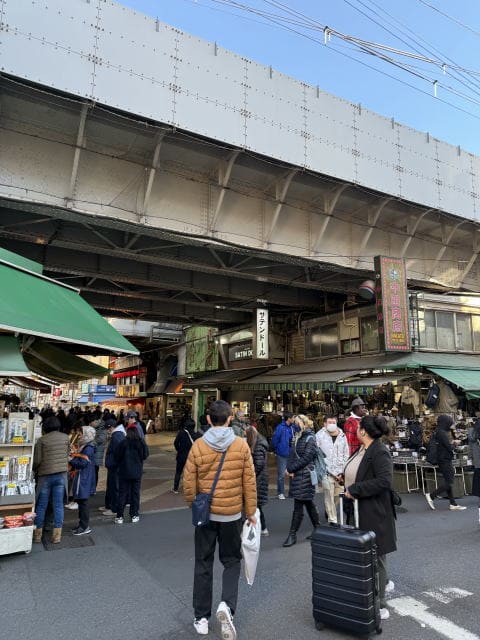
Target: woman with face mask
point(300, 462)
point(334, 446)
point(368, 478)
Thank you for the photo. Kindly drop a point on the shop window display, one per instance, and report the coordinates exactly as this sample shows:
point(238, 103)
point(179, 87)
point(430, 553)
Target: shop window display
point(370, 340)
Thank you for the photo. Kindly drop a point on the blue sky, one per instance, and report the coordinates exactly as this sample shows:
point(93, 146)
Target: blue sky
point(417, 22)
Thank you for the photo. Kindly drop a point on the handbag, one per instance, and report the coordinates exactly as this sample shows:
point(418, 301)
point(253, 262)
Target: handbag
point(201, 503)
point(313, 476)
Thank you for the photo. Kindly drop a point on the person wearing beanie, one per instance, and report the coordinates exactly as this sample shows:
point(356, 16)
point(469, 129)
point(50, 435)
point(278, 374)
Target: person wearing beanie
point(83, 486)
point(129, 458)
point(445, 448)
point(132, 419)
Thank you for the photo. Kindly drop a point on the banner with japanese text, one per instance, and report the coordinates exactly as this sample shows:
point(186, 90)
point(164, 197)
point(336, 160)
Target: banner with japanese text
point(392, 303)
point(262, 334)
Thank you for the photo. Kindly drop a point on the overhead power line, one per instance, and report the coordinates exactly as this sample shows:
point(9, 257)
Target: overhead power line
point(449, 17)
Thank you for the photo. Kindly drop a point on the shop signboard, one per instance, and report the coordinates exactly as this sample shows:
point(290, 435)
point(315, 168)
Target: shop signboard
point(105, 388)
point(240, 351)
point(262, 334)
point(392, 304)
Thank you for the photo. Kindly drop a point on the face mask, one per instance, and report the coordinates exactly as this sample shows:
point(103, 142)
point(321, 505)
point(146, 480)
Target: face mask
point(331, 428)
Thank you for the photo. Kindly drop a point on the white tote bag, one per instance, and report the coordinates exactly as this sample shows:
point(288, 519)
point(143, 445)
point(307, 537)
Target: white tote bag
point(251, 536)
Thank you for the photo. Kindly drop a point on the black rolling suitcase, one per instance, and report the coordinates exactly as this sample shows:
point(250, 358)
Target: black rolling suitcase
point(345, 578)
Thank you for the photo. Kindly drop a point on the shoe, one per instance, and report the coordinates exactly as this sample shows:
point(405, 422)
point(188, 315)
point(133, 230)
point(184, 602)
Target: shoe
point(37, 534)
point(57, 535)
point(281, 496)
point(109, 512)
point(457, 507)
point(384, 614)
point(291, 540)
point(430, 501)
point(175, 491)
point(390, 586)
point(225, 618)
point(136, 519)
point(118, 520)
point(102, 508)
point(81, 532)
point(201, 626)
point(72, 505)
point(265, 532)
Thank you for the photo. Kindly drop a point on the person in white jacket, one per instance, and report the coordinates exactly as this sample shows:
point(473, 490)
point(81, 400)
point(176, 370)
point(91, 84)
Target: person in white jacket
point(333, 443)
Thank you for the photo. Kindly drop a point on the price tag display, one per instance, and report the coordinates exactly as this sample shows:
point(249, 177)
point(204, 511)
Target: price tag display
point(18, 439)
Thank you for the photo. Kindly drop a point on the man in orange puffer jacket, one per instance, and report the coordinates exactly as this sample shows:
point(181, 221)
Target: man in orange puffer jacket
point(235, 492)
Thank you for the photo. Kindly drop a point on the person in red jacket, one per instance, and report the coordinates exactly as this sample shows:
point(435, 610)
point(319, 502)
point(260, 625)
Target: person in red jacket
point(350, 427)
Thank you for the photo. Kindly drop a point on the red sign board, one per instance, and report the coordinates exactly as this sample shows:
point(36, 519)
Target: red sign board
point(392, 303)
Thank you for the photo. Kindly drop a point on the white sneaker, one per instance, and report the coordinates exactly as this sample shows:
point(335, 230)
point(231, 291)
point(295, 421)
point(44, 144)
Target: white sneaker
point(201, 626)
point(457, 507)
point(102, 508)
point(118, 520)
point(225, 618)
point(265, 532)
point(430, 501)
point(281, 496)
point(384, 614)
point(108, 512)
point(390, 586)
point(71, 505)
point(136, 519)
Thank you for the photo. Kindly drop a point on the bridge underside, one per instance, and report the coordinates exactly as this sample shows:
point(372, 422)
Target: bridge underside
point(155, 223)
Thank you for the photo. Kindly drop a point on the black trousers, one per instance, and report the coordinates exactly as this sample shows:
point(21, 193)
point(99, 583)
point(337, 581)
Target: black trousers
point(128, 490)
point(263, 522)
point(178, 473)
point(311, 510)
point(83, 513)
point(228, 535)
point(111, 494)
point(448, 473)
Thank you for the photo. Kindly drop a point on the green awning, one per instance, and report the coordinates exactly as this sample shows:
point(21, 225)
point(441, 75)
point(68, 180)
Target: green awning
point(11, 360)
point(35, 305)
point(464, 378)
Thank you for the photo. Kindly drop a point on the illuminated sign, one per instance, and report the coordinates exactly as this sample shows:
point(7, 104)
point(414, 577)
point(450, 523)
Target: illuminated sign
point(262, 334)
point(392, 304)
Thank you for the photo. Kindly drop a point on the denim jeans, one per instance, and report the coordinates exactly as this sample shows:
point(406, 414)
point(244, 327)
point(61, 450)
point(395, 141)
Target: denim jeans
point(53, 486)
point(281, 468)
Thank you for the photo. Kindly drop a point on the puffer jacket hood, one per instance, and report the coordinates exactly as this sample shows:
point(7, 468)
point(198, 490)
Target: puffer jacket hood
point(444, 422)
point(219, 438)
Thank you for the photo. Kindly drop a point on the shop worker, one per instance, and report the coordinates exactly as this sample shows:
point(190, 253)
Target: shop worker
point(50, 463)
point(333, 443)
point(235, 492)
point(281, 444)
point(445, 453)
point(358, 410)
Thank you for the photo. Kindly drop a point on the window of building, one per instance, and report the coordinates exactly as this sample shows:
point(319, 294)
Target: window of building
point(448, 331)
point(369, 334)
point(430, 330)
point(321, 341)
point(312, 342)
point(445, 331)
point(464, 332)
point(476, 332)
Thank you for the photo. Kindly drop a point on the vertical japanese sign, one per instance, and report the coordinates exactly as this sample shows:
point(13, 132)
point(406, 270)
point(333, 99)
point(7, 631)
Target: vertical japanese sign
point(392, 304)
point(262, 334)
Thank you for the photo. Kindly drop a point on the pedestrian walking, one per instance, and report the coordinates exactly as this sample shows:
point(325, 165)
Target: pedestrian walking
point(186, 436)
point(333, 443)
point(50, 464)
point(281, 444)
point(368, 479)
point(117, 434)
point(300, 463)
point(235, 491)
point(83, 485)
point(101, 434)
point(259, 448)
point(350, 428)
point(474, 442)
point(445, 451)
point(130, 455)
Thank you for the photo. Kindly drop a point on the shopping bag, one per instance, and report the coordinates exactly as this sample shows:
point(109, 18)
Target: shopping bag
point(251, 547)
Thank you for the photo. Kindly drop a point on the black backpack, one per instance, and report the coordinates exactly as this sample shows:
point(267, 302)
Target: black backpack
point(432, 396)
point(432, 450)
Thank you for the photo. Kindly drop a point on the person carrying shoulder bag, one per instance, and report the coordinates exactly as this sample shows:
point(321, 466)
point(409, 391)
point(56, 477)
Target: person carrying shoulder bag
point(235, 491)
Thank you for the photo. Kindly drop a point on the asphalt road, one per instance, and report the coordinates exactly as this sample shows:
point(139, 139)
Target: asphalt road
point(134, 581)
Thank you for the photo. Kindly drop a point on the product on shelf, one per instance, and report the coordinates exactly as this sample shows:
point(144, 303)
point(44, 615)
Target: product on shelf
point(3, 430)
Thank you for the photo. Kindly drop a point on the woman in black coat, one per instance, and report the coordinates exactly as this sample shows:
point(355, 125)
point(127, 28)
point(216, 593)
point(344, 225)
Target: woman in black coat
point(444, 459)
point(259, 449)
point(299, 464)
point(368, 478)
point(129, 458)
point(186, 436)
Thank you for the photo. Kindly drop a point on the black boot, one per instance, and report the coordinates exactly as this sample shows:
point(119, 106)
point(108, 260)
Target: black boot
point(297, 518)
point(314, 517)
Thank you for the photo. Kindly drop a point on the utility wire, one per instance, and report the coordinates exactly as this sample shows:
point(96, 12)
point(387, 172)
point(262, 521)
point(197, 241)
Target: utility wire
point(449, 17)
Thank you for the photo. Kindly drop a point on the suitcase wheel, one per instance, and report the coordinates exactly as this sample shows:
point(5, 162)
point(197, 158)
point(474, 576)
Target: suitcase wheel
point(319, 626)
point(378, 630)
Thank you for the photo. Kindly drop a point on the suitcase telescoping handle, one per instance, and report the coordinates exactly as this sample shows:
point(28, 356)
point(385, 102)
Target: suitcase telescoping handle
point(355, 511)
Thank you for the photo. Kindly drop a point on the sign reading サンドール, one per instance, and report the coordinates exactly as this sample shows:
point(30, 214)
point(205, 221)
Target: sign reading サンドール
point(392, 303)
point(262, 334)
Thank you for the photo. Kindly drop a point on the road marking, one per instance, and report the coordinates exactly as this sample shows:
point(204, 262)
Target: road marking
point(418, 611)
point(445, 595)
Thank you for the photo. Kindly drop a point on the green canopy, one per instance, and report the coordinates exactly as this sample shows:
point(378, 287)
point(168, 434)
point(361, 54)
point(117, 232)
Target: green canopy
point(466, 379)
point(36, 305)
point(11, 360)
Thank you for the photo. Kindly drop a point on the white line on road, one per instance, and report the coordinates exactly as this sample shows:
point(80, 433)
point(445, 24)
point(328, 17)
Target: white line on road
point(418, 611)
point(445, 595)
